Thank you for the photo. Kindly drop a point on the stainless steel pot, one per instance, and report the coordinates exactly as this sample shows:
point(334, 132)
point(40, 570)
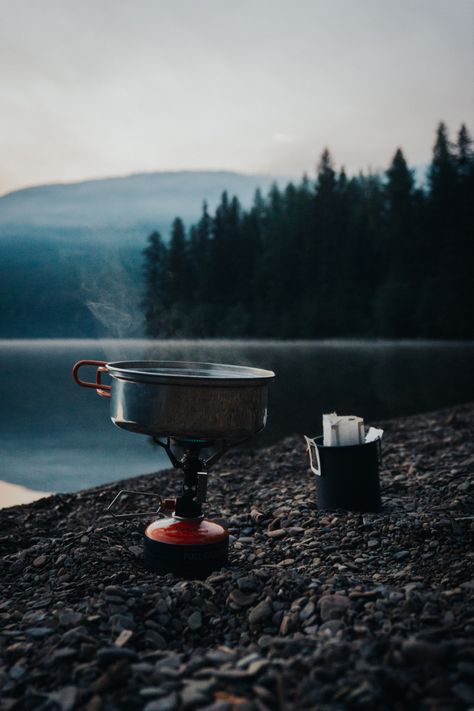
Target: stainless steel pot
point(183, 399)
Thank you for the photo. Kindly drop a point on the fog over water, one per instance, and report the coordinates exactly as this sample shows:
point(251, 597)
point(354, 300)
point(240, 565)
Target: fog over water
point(55, 436)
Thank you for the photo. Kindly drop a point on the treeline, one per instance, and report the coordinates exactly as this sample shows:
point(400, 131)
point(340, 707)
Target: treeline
point(365, 256)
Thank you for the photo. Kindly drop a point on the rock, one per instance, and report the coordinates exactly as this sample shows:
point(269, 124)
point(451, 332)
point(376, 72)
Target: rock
point(287, 624)
point(314, 619)
point(256, 515)
point(167, 703)
point(417, 651)
point(465, 692)
point(277, 533)
point(17, 671)
point(40, 561)
point(148, 692)
point(307, 611)
point(240, 599)
point(94, 704)
point(65, 698)
point(63, 654)
point(265, 641)
point(256, 667)
point(69, 618)
point(219, 706)
point(195, 620)
point(123, 638)
point(156, 639)
point(39, 632)
point(260, 612)
point(172, 661)
point(107, 655)
point(196, 693)
point(248, 659)
point(396, 597)
point(333, 606)
point(247, 583)
point(18, 649)
point(331, 627)
point(114, 676)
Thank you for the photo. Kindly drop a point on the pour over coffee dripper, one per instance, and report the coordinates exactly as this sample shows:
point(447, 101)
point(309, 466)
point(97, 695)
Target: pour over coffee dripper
point(187, 408)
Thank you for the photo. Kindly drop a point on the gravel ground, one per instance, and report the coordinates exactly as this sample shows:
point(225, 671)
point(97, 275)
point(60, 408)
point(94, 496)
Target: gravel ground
point(316, 610)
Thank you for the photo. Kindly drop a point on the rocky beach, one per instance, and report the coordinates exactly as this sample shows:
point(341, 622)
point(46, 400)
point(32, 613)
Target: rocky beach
point(316, 610)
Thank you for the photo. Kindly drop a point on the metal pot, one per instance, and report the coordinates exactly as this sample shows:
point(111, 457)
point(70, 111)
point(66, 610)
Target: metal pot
point(183, 399)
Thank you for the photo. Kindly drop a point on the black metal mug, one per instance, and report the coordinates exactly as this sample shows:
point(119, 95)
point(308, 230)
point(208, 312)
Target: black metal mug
point(347, 477)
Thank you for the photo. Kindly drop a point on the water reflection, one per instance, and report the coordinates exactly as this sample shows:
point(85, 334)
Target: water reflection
point(57, 436)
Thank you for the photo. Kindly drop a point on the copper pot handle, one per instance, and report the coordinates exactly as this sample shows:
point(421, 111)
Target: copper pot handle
point(103, 390)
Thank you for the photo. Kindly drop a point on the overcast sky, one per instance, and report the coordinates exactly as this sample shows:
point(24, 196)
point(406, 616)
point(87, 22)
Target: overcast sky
point(95, 88)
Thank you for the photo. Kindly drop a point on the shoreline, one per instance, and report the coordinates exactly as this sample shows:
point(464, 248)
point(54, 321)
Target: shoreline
point(16, 495)
point(316, 609)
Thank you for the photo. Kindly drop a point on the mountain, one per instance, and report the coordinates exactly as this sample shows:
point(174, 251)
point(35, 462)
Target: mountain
point(120, 209)
point(71, 254)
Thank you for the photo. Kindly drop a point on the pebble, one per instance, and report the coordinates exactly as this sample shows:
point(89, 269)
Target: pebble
point(465, 692)
point(123, 638)
point(113, 654)
point(333, 606)
point(339, 610)
point(247, 583)
point(265, 641)
point(418, 651)
point(39, 632)
point(307, 611)
point(331, 627)
point(241, 599)
point(17, 672)
point(195, 620)
point(167, 703)
point(260, 612)
point(277, 533)
point(65, 698)
point(195, 693)
point(40, 561)
point(69, 618)
point(151, 692)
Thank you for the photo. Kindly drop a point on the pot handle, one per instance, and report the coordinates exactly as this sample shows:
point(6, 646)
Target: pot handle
point(103, 390)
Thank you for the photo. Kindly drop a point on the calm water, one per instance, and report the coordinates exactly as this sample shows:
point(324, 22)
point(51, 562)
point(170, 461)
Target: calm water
point(56, 436)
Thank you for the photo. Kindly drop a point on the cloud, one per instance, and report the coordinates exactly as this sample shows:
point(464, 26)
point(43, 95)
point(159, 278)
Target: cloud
point(288, 138)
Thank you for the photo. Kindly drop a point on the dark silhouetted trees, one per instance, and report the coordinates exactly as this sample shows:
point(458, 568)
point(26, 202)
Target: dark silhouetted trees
point(362, 256)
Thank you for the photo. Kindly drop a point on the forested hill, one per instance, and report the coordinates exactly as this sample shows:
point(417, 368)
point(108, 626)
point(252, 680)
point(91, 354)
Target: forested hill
point(71, 255)
point(119, 209)
point(338, 256)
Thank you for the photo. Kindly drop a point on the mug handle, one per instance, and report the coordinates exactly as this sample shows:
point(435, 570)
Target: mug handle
point(311, 447)
point(102, 390)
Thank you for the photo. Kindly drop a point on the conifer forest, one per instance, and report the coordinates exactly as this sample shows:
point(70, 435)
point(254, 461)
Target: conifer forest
point(369, 256)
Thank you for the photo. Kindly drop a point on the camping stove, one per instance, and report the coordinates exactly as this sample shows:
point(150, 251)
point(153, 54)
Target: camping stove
point(196, 412)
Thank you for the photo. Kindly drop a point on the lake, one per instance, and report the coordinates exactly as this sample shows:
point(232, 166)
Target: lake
point(55, 436)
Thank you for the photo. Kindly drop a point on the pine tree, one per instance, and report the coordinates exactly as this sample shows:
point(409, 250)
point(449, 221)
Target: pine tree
point(464, 155)
point(397, 298)
point(463, 257)
point(156, 297)
point(177, 263)
point(442, 173)
point(439, 288)
point(337, 256)
point(325, 283)
point(178, 279)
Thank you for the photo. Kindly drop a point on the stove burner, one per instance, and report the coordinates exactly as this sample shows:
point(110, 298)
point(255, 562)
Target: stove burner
point(186, 543)
point(196, 407)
